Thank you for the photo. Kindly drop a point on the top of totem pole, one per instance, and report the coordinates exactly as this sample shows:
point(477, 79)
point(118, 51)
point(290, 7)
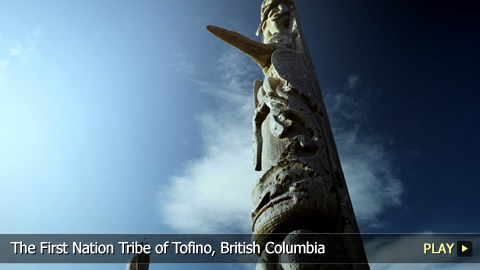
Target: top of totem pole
point(276, 23)
point(267, 6)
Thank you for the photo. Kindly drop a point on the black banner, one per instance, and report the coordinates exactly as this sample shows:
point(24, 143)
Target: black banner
point(232, 248)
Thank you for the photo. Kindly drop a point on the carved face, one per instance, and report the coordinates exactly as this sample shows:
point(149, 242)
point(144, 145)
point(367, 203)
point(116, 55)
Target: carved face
point(292, 196)
point(278, 17)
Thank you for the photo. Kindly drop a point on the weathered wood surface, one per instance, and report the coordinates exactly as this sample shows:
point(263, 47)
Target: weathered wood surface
point(302, 187)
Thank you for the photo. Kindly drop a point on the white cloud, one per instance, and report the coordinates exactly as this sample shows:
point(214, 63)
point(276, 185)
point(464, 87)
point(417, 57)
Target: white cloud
point(367, 166)
point(15, 50)
point(32, 40)
point(212, 194)
point(368, 172)
point(185, 66)
point(12, 48)
point(179, 63)
point(22, 46)
point(353, 81)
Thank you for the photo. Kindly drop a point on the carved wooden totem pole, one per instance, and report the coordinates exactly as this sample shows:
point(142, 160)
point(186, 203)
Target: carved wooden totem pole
point(302, 189)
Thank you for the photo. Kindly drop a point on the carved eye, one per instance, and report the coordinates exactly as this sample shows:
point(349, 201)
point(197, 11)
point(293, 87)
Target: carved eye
point(271, 13)
point(264, 25)
point(274, 11)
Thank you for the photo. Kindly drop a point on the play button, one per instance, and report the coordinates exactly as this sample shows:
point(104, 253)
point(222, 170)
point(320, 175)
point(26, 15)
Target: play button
point(464, 248)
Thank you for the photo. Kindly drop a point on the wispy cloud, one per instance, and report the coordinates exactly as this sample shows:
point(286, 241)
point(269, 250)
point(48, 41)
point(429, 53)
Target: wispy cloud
point(32, 40)
point(23, 46)
point(369, 174)
point(16, 50)
point(179, 63)
point(185, 66)
point(353, 81)
point(367, 166)
point(212, 194)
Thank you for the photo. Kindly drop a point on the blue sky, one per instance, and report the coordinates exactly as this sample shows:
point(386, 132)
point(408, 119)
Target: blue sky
point(129, 117)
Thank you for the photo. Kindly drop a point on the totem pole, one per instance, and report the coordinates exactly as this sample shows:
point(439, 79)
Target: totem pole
point(302, 189)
